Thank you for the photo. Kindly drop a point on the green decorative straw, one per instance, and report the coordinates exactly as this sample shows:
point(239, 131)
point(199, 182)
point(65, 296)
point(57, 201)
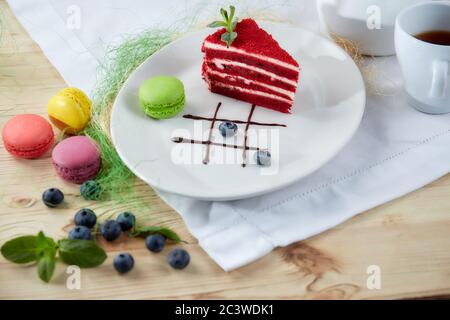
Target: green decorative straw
point(116, 180)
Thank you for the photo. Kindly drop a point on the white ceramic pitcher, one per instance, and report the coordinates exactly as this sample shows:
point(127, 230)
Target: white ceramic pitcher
point(369, 24)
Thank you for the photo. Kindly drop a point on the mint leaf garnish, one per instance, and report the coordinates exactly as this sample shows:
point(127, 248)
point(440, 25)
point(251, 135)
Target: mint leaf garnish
point(82, 253)
point(217, 24)
point(232, 11)
point(229, 37)
point(224, 14)
point(233, 25)
point(145, 231)
point(229, 24)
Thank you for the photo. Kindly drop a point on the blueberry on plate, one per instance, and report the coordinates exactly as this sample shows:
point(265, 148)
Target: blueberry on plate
point(126, 220)
point(52, 197)
point(110, 230)
point(263, 158)
point(123, 263)
point(155, 242)
point(178, 258)
point(91, 190)
point(85, 217)
point(80, 233)
point(228, 129)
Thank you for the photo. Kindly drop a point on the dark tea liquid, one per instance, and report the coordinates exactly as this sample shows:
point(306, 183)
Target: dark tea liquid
point(441, 37)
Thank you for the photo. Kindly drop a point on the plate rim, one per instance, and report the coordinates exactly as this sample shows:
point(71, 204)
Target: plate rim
point(229, 197)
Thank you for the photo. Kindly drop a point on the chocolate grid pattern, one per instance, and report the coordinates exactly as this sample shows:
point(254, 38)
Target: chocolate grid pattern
point(213, 121)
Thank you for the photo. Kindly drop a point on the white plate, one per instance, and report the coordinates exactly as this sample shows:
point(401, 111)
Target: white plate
point(328, 109)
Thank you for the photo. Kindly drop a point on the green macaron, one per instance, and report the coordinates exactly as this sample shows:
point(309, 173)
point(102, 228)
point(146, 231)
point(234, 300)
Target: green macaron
point(162, 97)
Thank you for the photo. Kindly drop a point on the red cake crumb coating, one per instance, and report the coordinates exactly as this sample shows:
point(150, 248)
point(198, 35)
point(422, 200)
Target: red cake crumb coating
point(255, 69)
point(252, 38)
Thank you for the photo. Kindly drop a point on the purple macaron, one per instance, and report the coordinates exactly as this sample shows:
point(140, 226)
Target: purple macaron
point(76, 159)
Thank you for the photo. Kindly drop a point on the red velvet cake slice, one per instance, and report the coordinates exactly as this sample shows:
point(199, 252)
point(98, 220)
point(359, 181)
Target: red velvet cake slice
point(254, 68)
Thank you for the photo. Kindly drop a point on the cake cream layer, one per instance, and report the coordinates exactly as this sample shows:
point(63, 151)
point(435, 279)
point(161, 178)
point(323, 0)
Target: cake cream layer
point(251, 72)
point(248, 83)
point(269, 64)
point(252, 91)
point(220, 47)
point(261, 99)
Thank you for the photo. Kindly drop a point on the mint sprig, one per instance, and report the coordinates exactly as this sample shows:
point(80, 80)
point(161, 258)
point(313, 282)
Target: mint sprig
point(44, 250)
point(229, 24)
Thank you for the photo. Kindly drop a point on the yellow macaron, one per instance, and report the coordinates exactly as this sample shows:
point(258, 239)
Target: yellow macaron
point(70, 110)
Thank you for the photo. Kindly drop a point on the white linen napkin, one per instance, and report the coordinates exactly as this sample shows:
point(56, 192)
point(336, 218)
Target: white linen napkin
point(395, 151)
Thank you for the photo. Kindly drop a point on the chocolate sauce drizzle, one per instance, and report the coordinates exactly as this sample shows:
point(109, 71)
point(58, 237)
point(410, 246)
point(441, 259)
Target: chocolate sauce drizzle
point(208, 143)
point(245, 148)
point(253, 123)
point(244, 153)
point(225, 145)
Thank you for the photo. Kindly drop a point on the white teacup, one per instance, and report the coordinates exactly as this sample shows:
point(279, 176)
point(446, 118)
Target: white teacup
point(425, 66)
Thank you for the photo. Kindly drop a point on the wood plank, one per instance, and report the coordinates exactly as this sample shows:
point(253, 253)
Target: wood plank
point(408, 238)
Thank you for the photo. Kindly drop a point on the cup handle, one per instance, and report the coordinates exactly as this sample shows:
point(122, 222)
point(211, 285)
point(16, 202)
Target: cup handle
point(439, 82)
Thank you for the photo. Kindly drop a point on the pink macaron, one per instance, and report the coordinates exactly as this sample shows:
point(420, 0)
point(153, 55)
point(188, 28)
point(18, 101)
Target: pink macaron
point(76, 159)
point(27, 136)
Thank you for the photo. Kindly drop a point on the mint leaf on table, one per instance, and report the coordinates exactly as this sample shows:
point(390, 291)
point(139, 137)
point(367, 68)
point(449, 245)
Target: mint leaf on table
point(21, 250)
point(145, 231)
point(31, 249)
point(82, 253)
point(43, 250)
point(41, 241)
point(47, 264)
point(46, 248)
point(229, 24)
point(44, 243)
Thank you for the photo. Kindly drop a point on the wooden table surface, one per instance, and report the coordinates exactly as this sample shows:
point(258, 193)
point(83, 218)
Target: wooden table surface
point(409, 239)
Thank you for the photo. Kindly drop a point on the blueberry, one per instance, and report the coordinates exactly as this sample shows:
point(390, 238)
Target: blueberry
point(91, 190)
point(123, 263)
point(262, 158)
point(52, 197)
point(85, 217)
point(228, 128)
point(110, 230)
point(80, 233)
point(126, 220)
point(178, 259)
point(155, 242)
